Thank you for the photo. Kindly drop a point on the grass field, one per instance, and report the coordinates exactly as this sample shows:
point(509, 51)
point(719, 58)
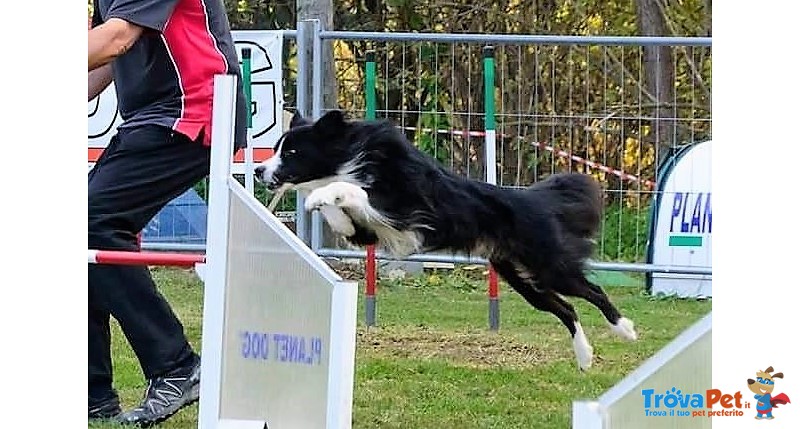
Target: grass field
point(432, 364)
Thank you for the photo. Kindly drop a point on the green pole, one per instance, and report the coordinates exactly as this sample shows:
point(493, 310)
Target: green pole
point(370, 262)
point(249, 175)
point(370, 89)
point(488, 85)
point(491, 171)
point(246, 71)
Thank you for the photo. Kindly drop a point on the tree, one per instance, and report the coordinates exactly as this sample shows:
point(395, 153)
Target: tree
point(323, 11)
point(659, 74)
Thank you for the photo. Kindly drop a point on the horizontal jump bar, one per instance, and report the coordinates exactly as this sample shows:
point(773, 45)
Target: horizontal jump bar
point(536, 39)
point(120, 257)
point(460, 259)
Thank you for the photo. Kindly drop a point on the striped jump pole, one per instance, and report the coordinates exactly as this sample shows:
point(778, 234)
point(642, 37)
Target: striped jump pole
point(491, 170)
point(121, 257)
point(370, 265)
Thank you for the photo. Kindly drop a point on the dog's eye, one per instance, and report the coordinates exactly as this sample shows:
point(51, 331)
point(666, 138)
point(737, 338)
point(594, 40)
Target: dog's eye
point(291, 152)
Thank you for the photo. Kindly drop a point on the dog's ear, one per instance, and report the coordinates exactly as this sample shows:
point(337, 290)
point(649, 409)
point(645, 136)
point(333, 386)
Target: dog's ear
point(330, 122)
point(768, 370)
point(777, 375)
point(298, 120)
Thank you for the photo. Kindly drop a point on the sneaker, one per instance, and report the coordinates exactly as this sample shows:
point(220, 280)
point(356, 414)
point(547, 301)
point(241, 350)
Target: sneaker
point(164, 397)
point(107, 409)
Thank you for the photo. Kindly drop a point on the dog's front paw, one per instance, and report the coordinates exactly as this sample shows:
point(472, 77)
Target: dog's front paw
point(316, 199)
point(340, 194)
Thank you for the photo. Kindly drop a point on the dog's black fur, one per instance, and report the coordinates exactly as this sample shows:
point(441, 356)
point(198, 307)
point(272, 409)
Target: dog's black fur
point(537, 238)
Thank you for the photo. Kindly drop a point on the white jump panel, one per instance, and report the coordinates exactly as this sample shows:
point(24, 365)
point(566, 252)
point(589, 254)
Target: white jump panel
point(289, 338)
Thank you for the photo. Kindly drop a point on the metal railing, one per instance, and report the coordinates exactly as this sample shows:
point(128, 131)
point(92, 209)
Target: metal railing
point(564, 103)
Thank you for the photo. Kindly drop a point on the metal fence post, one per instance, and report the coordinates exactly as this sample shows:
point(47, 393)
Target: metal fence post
point(316, 111)
point(304, 58)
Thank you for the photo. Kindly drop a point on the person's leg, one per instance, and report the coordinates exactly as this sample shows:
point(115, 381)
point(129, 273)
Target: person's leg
point(103, 401)
point(145, 169)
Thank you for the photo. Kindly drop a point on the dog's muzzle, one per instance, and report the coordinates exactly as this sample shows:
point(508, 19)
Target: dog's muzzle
point(267, 181)
point(272, 182)
point(259, 172)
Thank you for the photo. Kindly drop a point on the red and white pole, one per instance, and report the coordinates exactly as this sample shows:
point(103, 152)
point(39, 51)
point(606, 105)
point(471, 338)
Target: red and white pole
point(120, 257)
point(371, 280)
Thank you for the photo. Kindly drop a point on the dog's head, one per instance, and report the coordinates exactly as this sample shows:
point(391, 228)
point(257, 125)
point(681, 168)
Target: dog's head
point(309, 151)
point(764, 382)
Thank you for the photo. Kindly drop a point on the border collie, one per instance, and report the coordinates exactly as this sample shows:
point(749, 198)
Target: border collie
point(374, 187)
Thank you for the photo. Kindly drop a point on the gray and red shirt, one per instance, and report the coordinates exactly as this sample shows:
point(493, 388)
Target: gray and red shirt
point(167, 77)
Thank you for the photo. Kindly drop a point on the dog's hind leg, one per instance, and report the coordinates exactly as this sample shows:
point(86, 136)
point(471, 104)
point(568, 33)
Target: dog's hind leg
point(338, 220)
point(577, 285)
point(546, 300)
point(363, 236)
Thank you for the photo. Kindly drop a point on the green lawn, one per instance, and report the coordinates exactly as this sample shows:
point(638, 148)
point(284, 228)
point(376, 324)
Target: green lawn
point(433, 364)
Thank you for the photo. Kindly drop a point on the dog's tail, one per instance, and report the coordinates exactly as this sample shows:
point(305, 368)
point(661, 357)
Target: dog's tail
point(577, 201)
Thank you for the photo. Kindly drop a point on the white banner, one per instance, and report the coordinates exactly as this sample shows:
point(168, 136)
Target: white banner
point(266, 72)
point(267, 93)
point(682, 234)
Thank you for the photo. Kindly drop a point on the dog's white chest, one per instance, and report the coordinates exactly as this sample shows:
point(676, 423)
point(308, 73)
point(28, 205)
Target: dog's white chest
point(342, 203)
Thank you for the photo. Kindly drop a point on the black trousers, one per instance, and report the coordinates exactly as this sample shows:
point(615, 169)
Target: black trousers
point(140, 171)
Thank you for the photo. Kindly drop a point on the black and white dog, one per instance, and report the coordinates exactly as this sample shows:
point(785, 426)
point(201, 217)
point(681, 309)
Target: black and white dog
point(374, 187)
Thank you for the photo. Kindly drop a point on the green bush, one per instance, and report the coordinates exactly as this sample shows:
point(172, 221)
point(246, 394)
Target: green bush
point(624, 233)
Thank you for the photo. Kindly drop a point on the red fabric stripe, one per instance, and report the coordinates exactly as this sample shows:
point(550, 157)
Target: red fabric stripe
point(94, 153)
point(259, 154)
point(197, 60)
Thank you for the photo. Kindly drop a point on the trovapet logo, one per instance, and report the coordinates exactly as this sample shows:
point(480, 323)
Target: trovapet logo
point(675, 403)
point(714, 403)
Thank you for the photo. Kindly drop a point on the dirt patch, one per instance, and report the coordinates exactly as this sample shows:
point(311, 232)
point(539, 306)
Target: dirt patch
point(474, 350)
point(349, 270)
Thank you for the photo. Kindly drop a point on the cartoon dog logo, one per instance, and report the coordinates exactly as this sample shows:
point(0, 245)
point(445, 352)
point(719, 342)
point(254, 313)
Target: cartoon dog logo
point(763, 386)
